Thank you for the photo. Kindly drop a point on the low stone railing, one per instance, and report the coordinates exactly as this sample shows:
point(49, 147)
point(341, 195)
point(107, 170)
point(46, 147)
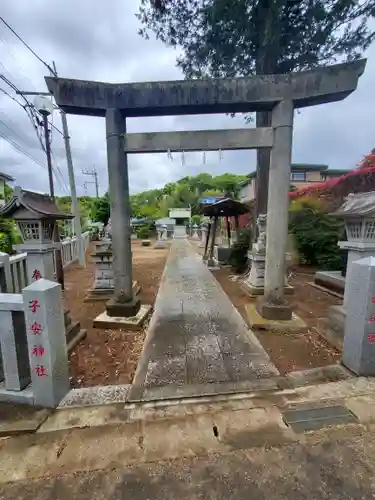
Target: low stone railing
point(13, 268)
point(69, 248)
point(33, 351)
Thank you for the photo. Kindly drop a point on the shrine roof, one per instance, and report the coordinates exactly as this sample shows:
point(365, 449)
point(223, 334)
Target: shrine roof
point(357, 205)
point(40, 205)
point(224, 208)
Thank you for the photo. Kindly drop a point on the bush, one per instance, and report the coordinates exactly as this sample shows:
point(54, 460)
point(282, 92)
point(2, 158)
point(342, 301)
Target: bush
point(143, 233)
point(238, 257)
point(9, 235)
point(316, 234)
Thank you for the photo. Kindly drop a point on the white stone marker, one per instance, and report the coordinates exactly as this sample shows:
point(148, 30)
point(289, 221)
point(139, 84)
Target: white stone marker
point(359, 340)
point(46, 340)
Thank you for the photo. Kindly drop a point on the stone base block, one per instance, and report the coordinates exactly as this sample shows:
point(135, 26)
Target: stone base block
point(336, 339)
point(106, 294)
point(256, 291)
point(332, 280)
point(212, 264)
point(277, 312)
point(159, 244)
point(295, 324)
point(121, 309)
point(126, 323)
point(25, 396)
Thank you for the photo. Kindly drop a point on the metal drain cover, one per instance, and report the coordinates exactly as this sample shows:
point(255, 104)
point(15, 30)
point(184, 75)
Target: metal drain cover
point(302, 419)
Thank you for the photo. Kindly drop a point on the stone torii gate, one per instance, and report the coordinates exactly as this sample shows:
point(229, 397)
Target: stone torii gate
point(280, 94)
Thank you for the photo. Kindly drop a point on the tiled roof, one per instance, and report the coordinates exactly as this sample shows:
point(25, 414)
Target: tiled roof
point(39, 203)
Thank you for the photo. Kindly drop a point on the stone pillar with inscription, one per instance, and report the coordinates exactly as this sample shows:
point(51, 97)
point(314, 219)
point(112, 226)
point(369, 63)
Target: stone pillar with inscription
point(255, 281)
point(359, 339)
point(45, 329)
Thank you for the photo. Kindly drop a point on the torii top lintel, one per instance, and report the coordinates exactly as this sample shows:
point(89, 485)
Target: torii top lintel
point(224, 95)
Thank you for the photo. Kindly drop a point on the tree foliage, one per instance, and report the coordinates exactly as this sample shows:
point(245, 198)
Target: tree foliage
point(316, 233)
point(228, 38)
point(222, 38)
point(155, 203)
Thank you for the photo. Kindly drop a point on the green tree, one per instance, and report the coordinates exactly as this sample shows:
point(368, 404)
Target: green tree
point(101, 209)
point(227, 38)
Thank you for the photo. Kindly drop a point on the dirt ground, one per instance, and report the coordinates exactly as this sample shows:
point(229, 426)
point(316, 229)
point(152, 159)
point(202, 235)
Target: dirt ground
point(109, 356)
point(291, 352)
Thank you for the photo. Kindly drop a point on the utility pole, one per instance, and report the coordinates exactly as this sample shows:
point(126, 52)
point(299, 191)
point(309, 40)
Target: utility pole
point(73, 192)
point(45, 108)
point(93, 173)
point(72, 185)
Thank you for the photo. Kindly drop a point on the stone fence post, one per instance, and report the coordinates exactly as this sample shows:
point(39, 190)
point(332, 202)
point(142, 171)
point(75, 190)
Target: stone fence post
point(13, 345)
point(43, 307)
point(5, 274)
point(359, 340)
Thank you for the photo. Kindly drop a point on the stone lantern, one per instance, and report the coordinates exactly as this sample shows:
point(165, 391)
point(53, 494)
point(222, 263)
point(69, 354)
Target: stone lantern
point(36, 216)
point(358, 213)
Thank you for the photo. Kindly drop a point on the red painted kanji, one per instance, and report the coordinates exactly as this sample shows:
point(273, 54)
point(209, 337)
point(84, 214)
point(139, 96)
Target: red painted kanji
point(371, 338)
point(40, 370)
point(37, 274)
point(33, 305)
point(38, 350)
point(373, 300)
point(36, 328)
point(371, 319)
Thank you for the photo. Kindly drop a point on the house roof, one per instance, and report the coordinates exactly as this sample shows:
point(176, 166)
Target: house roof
point(305, 167)
point(224, 208)
point(338, 171)
point(39, 204)
point(6, 177)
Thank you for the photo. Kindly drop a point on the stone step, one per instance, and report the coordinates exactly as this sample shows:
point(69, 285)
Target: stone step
point(72, 331)
point(67, 318)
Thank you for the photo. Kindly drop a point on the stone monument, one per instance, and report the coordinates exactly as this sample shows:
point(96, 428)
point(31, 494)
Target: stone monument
point(359, 340)
point(255, 281)
point(44, 318)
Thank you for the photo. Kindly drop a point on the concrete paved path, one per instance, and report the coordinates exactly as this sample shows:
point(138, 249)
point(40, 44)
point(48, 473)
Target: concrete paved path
point(196, 336)
point(321, 469)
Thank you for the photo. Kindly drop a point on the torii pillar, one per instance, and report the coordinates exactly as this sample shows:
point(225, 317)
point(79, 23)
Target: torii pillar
point(123, 303)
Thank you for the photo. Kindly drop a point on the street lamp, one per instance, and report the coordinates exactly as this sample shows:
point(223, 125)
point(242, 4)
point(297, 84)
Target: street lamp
point(45, 108)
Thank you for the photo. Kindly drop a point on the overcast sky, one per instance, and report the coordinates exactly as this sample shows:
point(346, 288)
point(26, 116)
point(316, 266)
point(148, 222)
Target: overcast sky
point(90, 39)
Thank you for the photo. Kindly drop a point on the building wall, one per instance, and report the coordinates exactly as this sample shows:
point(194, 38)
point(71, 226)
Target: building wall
point(248, 192)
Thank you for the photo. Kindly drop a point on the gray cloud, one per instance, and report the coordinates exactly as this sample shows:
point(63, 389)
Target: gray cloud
point(89, 42)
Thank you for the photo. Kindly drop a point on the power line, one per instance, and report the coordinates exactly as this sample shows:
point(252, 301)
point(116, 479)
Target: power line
point(21, 150)
point(27, 46)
